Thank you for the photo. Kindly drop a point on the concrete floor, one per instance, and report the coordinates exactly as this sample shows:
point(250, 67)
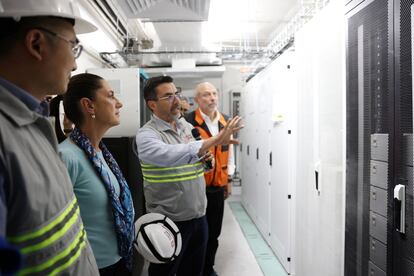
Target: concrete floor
point(234, 257)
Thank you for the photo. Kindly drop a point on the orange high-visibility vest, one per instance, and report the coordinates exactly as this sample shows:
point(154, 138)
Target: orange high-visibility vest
point(218, 176)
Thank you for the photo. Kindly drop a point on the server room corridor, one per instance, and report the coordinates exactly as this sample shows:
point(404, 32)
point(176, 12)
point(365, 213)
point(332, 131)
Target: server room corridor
point(242, 250)
point(318, 96)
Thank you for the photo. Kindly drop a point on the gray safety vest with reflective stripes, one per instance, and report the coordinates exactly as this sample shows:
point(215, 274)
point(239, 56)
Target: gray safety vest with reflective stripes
point(178, 191)
point(64, 233)
point(42, 218)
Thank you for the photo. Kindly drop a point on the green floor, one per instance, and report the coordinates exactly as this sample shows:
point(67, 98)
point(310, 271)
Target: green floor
point(264, 256)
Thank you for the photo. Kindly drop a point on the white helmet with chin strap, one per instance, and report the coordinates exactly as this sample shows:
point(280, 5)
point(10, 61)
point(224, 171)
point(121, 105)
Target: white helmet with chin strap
point(17, 9)
point(157, 238)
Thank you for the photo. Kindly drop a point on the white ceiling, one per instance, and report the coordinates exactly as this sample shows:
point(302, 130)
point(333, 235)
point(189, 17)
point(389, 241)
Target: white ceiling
point(233, 24)
point(166, 9)
point(239, 21)
point(244, 19)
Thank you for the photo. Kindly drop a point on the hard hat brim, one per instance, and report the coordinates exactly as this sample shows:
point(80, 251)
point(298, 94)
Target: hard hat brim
point(81, 26)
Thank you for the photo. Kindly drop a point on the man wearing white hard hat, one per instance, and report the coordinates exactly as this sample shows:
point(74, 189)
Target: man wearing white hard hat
point(39, 214)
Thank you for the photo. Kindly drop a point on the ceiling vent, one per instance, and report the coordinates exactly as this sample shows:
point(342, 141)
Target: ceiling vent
point(166, 10)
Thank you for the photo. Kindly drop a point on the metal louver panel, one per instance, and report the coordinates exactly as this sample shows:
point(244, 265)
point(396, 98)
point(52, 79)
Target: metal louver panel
point(137, 6)
point(166, 10)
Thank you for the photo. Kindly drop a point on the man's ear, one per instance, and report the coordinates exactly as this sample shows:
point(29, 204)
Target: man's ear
point(35, 44)
point(87, 106)
point(196, 100)
point(151, 105)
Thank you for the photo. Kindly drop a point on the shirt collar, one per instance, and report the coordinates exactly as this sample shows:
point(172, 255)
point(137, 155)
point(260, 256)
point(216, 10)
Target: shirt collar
point(163, 125)
point(31, 102)
point(207, 118)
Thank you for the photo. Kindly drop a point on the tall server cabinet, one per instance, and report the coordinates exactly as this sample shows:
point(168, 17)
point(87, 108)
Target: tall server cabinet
point(379, 194)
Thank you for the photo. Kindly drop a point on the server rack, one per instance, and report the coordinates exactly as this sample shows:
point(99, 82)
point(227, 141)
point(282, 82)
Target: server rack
point(379, 201)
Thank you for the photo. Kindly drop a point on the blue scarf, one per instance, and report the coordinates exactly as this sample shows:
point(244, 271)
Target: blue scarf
point(122, 206)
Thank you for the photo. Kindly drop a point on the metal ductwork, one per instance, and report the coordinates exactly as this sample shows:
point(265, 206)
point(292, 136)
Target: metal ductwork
point(166, 10)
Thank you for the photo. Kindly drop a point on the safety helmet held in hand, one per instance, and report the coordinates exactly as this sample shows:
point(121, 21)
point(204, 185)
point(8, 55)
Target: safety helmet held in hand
point(59, 8)
point(157, 238)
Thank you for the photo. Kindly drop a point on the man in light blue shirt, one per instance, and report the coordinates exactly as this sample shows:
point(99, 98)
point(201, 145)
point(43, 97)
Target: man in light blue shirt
point(173, 175)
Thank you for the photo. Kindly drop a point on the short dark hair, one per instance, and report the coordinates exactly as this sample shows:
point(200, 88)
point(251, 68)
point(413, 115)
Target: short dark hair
point(12, 31)
point(80, 86)
point(151, 84)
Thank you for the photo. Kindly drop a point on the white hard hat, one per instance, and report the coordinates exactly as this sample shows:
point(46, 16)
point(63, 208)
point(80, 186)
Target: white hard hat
point(59, 8)
point(157, 238)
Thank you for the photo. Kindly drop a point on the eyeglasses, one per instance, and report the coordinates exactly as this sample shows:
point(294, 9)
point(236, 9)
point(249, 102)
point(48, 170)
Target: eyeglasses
point(76, 47)
point(171, 97)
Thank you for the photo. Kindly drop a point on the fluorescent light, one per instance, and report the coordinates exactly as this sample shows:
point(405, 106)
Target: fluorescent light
point(225, 23)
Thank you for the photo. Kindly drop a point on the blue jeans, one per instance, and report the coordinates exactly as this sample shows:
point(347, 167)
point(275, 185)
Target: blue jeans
point(190, 261)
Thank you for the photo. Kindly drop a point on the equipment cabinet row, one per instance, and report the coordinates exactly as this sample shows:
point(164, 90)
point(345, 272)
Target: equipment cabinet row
point(292, 148)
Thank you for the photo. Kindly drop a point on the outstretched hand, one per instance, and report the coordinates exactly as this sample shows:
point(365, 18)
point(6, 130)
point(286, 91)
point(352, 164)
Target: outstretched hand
point(225, 136)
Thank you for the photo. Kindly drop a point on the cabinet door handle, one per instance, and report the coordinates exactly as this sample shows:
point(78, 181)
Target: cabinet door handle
point(399, 208)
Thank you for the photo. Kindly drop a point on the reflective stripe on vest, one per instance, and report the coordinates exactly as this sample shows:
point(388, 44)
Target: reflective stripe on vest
point(64, 233)
point(154, 174)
